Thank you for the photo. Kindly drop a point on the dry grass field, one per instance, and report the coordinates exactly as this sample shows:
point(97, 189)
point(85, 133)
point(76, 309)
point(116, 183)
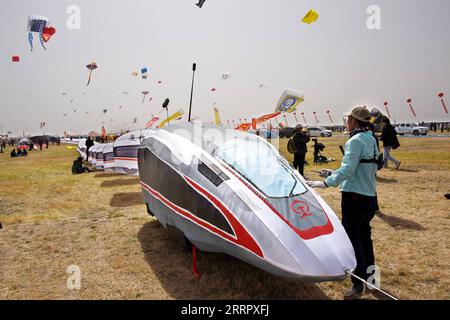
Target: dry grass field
point(52, 219)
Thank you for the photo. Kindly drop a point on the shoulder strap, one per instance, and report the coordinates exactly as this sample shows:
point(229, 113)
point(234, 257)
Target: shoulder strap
point(374, 159)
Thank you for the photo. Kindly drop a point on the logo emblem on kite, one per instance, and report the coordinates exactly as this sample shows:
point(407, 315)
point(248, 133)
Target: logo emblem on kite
point(301, 208)
point(289, 100)
point(310, 17)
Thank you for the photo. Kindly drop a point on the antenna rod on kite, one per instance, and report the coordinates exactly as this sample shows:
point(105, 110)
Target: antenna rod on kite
point(166, 106)
point(194, 66)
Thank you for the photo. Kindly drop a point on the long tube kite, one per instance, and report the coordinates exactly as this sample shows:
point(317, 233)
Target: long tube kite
point(151, 122)
point(216, 116)
point(329, 116)
point(441, 95)
point(409, 101)
point(387, 109)
point(92, 66)
point(315, 116)
point(145, 93)
point(303, 115)
point(176, 115)
point(310, 17)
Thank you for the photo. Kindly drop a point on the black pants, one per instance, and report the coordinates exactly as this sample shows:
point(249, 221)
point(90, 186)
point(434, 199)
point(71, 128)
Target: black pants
point(357, 212)
point(299, 162)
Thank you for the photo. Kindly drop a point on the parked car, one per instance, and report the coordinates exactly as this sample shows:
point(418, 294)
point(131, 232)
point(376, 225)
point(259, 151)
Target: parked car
point(411, 128)
point(319, 132)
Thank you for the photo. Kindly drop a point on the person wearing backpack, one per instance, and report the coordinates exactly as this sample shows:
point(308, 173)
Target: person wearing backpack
point(390, 142)
point(297, 146)
point(357, 180)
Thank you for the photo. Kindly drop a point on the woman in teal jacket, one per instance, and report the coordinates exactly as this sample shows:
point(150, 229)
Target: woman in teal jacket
point(357, 181)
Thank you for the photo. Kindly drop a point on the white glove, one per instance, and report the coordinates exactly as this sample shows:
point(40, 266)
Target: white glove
point(317, 184)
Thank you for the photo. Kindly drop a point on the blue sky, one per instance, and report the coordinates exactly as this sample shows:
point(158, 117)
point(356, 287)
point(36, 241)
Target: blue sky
point(337, 62)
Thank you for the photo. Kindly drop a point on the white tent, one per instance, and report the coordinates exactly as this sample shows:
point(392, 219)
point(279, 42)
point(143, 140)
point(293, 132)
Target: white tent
point(108, 156)
point(126, 150)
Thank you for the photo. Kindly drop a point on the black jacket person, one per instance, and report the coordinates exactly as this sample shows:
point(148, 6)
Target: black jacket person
point(300, 138)
point(89, 144)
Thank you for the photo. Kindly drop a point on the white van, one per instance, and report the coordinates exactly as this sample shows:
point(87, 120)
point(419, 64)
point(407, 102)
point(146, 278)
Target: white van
point(411, 128)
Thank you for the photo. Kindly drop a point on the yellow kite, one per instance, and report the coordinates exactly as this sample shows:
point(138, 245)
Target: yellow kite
point(176, 115)
point(310, 17)
point(217, 116)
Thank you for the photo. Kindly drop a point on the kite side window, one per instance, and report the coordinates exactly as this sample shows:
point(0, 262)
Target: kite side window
point(126, 151)
point(211, 171)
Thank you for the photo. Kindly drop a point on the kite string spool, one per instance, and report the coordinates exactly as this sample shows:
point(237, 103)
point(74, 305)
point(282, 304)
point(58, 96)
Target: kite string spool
point(371, 286)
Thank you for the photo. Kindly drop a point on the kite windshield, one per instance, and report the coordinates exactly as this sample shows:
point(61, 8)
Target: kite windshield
point(258, 163)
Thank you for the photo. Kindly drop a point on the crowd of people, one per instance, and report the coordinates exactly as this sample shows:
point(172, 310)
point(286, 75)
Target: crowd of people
point(437, 126)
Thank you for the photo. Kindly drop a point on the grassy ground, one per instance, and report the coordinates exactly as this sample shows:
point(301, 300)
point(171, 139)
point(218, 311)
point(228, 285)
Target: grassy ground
point(97, 221)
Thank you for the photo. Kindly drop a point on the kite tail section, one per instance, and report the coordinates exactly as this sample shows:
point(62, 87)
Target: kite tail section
point(89, 79)
point(41, 39)
point(30, 40)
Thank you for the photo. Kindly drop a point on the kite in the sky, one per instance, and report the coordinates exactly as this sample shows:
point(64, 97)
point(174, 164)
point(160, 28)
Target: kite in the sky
point(15, 58)
point(105, 111)
point(213, 89)
point(159, 81)
point(144, 72)
point(226, 75)
point(217, 116)
point(289, 100)
point(134, 74)
point(92, 66)
point(151, 122)
point(310, 17)
point(125, 92)
point(177, 115)
point(42, 125)
point(135, 120)
point(39, 25)
point(145, 93)
point(200, 3)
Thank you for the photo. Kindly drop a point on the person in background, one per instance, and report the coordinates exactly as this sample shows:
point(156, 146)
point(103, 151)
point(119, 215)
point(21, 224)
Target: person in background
point(89, 144)
point(14, 153)
point(390, 142)
point(77, 166)
point(357, 180)
point(24, 153)
point(301, 138)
